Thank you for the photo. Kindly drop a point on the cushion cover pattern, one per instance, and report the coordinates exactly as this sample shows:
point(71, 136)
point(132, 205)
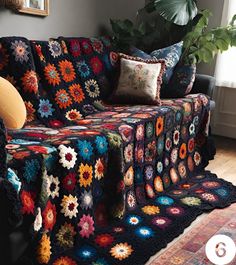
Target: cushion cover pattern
point(171, 55)
point(139, 80)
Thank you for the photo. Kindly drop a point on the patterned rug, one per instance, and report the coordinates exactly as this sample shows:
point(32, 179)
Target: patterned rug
point(190, 249)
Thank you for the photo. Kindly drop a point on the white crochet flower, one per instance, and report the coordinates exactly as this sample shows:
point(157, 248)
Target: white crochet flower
point(68, 156)
point(52, 186)
point(38, 220)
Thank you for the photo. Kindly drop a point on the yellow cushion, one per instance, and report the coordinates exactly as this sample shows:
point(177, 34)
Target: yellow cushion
point(12, 107)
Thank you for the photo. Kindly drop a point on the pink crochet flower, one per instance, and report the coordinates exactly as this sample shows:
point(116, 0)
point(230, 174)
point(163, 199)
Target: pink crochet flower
point(86, 224)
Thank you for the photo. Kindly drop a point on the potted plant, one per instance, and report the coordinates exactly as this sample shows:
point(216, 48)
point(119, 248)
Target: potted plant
point(168, 23)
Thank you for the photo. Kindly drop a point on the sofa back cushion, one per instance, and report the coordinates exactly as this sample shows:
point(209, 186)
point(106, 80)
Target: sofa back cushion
point(95, 60)
point(17, 66)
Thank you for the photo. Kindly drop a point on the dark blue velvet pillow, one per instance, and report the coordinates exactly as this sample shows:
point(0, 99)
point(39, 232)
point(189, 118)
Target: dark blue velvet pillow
point(178, 78)
point(171, 55)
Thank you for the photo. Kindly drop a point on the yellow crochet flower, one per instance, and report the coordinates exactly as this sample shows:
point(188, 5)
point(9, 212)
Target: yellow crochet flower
point(151, 209)
point(85, 175)
point(44, 250)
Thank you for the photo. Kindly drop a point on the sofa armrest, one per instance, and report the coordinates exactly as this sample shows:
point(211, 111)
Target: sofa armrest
point(204, 84)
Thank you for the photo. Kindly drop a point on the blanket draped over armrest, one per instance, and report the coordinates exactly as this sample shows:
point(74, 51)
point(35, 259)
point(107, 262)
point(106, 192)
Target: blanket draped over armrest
point(115, 186)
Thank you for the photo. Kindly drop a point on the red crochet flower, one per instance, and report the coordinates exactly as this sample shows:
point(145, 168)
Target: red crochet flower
point(96, 65)
point(49, 216)
point(69, 182)
point(104, 240)
point(75, 48)
point(27, 202)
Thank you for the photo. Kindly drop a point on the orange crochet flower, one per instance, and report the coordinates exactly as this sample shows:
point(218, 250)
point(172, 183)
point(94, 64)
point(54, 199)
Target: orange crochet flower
point(183, 151)
point(67, 71)
point(64, 261)
point(30, 82)
point(159, 126)
point(158, 185)
point(151, 210)
point(51, 75)
point(49, 216)
point(121, 251)
point(76, 92)
point(85, 175)
point(44, 250)
point(30, 111)
point(63, 99)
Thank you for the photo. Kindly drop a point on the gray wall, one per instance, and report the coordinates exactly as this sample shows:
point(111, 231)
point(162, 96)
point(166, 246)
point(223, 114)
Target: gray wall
point(68, 18)
point(216, 7)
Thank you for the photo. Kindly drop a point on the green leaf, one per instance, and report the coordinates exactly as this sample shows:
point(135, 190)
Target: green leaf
point(179, 12)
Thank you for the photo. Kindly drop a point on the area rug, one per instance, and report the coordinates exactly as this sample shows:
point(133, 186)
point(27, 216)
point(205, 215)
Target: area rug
point(150, 227)
point(190, 249)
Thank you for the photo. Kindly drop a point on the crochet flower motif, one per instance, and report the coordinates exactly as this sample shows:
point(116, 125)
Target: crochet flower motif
point(63, 99)
point(68, 156)
point(69, 206)
point(64, 261)
point(30, 82)
point(45, 108)
point(20, 51)
point(92, 88)
point(52, 186)
point(151, 210)
point(49, 216)
point(104, 240)
point(51, 75)
point(86, 200)
point(73, 115)
point(85, 149)
point(191, 201)
point(76, 92)
point(44, 250)
point(65, 236)
point(99, 169)
point(67, 70)
point(101, 144)
point(121, 251)
point(38, 220)
point(83, 69)
point(86, 224)
point(55, 48)
point(85, 175)
point(30, 111)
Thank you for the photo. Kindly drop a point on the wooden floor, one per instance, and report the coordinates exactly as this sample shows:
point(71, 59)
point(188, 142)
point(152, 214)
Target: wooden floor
point(224, 164)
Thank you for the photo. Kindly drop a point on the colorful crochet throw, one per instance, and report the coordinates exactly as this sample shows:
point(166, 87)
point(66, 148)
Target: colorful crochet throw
point(114, 187)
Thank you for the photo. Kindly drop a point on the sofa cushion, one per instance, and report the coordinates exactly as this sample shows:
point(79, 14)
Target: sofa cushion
point(139, 81)
point(96, 60)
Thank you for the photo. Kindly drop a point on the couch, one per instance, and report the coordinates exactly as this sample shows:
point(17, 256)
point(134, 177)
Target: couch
point(87, 176)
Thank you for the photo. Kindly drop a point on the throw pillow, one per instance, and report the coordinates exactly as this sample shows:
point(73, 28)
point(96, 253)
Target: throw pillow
point(181, 82)
point(139, 81)
point(12, 110)
point(171, 55)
